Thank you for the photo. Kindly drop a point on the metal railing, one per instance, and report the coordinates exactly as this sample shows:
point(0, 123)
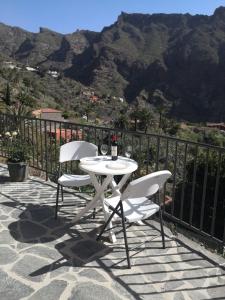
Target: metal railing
point(197, 186)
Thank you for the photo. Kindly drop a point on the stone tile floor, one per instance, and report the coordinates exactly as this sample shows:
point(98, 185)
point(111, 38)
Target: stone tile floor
point(41, 258)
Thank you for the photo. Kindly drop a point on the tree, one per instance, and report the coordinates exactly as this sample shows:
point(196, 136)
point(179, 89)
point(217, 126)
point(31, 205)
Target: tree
point(135, 116)
point(145, 118)
point(7, 96)
point(22, 105)
point(65, 115)
point(161, 110)
point(27, 82)
point(211, 162)
point(121, 122)
point(170, 126)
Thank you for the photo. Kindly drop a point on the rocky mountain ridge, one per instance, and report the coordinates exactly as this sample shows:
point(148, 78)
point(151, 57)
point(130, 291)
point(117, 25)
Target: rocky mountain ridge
point(174, 60)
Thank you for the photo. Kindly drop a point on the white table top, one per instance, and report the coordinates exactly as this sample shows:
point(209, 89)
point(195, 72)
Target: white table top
point(104, 165)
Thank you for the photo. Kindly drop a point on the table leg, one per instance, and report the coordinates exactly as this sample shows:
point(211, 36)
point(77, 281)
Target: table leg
point(98, 196)
point(123, 180)
point(100, 189)
point(117, 187)
point(97, 186)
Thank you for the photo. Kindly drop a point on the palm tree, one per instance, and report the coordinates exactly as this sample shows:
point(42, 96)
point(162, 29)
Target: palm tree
point(161, 109)
point(145, 116)
point(135, 115)
point(23, 105)
point(121, 122)
point(7, 96)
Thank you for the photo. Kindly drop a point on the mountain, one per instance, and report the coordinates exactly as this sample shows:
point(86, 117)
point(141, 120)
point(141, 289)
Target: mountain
point(47, 48)
point(175, 60)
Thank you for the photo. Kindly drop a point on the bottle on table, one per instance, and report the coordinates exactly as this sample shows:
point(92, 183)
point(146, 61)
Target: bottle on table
point(114, 147)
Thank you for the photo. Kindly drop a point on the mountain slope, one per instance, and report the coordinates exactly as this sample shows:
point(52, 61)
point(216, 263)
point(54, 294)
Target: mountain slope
point(173, 60)
point(47, 48)
point(181, 55)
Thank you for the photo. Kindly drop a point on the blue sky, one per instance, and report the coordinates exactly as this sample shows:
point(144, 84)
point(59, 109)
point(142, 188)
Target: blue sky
point(66, 16)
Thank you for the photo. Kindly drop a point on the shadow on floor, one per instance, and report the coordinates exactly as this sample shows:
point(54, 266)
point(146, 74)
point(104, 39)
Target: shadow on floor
point(176, 272)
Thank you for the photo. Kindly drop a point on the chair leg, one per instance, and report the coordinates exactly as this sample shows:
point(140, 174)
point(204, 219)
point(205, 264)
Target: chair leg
point(94, 213)
point(162, 230)
point(62, 193)
point(125, 236)
point(107, 223)
point(57, 201)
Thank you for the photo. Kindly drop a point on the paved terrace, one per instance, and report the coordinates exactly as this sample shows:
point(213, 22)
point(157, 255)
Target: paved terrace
point(41, 258)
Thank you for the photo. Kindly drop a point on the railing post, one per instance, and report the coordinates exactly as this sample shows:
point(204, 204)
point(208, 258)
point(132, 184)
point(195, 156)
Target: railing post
point(215, 199)
point(174, 178)
point(204, 190)
point(46, 150)
point(193, 186)
point(157, 154)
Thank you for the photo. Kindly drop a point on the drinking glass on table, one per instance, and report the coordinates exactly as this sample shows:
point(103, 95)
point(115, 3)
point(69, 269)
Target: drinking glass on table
point(104, 149)
point(128, 151)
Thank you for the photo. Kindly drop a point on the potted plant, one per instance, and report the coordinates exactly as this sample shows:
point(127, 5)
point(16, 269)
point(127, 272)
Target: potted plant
point(18, 152)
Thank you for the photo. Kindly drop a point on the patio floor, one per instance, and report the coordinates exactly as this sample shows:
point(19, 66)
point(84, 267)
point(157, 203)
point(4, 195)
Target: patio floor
point(41, 258)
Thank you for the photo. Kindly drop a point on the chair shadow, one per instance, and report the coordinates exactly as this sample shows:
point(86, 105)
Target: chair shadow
point(36, 224)
point(77, 251)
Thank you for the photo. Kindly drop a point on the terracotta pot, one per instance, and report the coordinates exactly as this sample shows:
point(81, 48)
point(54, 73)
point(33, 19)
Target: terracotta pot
point(18, 171)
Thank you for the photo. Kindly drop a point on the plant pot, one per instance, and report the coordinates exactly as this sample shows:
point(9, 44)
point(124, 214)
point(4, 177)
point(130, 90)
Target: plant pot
point(18, 171)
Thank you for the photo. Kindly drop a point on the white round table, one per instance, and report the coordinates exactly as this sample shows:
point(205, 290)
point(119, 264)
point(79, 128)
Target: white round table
point(104, 165)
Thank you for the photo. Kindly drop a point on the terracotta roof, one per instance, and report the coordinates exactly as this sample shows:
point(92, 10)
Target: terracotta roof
point(66, 134)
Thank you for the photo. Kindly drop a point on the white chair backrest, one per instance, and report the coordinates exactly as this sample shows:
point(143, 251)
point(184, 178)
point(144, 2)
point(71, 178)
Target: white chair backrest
point(147, 185)
point(77, 150)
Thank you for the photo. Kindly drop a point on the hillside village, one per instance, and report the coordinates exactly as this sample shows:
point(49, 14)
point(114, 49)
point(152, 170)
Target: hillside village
point(88, 100)
point(91, 107)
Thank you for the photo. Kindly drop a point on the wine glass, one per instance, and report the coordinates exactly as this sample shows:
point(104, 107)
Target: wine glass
point(104, 149)
point(128, 151)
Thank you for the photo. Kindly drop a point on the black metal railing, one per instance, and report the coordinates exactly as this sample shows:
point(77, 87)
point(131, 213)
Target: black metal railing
point(197, 186)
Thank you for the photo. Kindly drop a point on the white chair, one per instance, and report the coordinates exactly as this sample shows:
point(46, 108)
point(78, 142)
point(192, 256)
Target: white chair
point(135, 205)
point(70, 152)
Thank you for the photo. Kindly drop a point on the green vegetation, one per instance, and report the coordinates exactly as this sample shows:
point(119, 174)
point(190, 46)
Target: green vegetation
point(16, 147)
point(169, 64)
point(213, 163)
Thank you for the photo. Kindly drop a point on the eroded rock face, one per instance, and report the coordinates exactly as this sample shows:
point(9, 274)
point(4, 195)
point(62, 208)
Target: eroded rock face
point(46, 46)
point(179, 54)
